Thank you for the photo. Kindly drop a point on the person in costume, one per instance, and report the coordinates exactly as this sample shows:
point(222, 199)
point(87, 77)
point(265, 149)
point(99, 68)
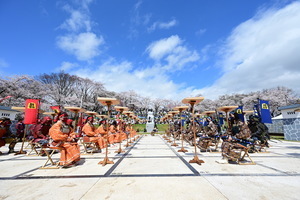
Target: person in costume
point(93, 135)
point(63, 136)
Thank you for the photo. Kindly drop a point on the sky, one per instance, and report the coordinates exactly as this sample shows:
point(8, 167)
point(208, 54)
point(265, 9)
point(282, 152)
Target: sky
point(160, 49)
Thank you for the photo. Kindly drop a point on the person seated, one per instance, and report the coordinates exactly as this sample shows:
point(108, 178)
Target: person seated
point(62, 136)
point(127, 130)
point(6, 136)
point(112, 130)
point(93, 135)
point(120, 135)
point(20, 129)
point(208, 138)
point(231, 146)
point(39, 133)
point(132, 131)
point(259, 131)
point(2, 133)
point(41, 130)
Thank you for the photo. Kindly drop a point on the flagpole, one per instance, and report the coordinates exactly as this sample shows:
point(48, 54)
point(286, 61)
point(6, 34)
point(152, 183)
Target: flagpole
point(23, 140)
point(31, 120)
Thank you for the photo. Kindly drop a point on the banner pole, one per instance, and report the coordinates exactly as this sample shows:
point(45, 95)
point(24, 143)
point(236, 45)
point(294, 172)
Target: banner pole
point(23, 140)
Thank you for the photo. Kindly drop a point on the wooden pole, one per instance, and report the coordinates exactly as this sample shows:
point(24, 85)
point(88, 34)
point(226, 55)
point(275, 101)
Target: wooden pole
point(195, 159)
point(120, 142)
point(106, 159)
point(174, 143)
point(127, 135)
point(23, 140)
point(181, 133)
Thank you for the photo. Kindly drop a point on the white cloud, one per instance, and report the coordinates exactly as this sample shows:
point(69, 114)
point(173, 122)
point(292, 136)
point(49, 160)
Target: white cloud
point(66, 66)
point(200, 32)
point(137, 5)
point(153, 81)
point(172, 53)
point(79, 17)
point(261, 53)
point(3, 63)
point(85, 3)
point(77, 21)
point(121, 76)
point(162, 25)
point(137, 20)
point(159, 49)
point(180, 57)
point(80, 40)
point(84, 46)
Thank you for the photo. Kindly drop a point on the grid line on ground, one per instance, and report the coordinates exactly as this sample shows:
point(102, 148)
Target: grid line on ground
point(196, 173)
point(108, 173)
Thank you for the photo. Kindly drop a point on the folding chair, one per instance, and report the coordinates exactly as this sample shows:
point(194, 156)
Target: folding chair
point(88, 146)
point(244, 153)
point(215, 143)
point(49, 157)
point(204, 143)
point(34, 148)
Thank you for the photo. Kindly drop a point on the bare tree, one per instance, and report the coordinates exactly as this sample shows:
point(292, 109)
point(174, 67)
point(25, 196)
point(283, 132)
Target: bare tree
point(22, 88)
point(61, 84)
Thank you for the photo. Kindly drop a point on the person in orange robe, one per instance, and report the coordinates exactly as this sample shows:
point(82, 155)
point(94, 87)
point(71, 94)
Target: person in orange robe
point(63, 136)
point(133, 132)
point(94, 136)
point(2, 133)
point(101, 132)
point(117, 138)
point(121, 130)
point(112, 133)
point(127, 130)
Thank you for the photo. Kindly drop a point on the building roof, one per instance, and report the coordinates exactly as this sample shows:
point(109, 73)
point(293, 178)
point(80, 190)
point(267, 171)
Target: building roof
point(6, 108)
point(293, 106)
point(278, 117)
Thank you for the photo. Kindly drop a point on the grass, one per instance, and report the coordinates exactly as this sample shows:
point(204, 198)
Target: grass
point(277, 137)
point(281, 137)
point(162, 127)
point(141, 127)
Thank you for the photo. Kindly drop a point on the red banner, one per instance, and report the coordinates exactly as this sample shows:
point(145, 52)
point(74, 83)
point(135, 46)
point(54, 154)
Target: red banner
point(31, 111)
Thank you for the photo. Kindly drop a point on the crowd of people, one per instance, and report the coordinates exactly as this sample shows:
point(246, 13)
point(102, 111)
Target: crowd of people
point(60, 132)
point(234, 136)
point(210, 132)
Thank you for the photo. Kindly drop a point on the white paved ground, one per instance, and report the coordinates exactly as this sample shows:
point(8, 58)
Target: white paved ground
point(152, 169)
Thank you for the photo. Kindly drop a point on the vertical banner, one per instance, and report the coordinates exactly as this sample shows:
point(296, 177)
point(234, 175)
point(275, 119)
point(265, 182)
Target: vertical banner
point(239, 112)
point(205, 122)
point(256, 110)
point(265, 113)
point(182, 119)
point(221, 119)
point(31, 111)
point(201, 121)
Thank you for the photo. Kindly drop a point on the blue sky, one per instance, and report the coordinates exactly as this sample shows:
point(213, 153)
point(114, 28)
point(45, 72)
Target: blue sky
point(160, 49)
